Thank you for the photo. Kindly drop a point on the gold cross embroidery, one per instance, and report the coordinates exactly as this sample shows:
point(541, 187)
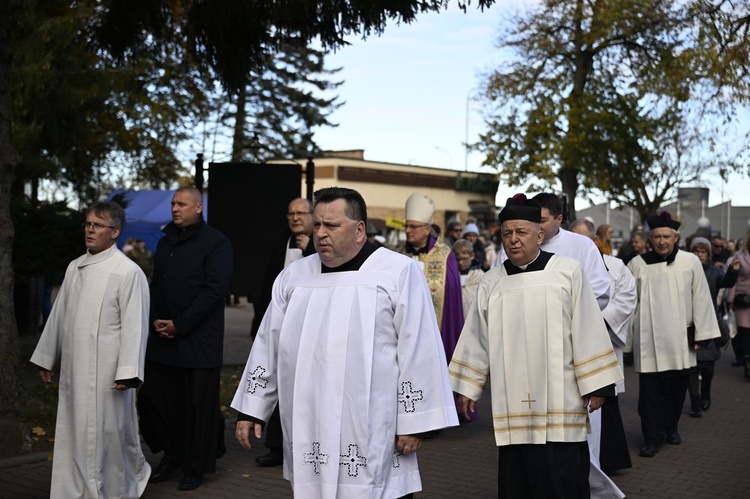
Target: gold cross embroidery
point(529, 400)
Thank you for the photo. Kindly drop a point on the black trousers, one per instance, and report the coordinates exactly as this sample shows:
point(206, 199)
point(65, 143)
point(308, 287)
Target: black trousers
point(743, 333)
point(555, 470)
point(274, 435)
point(737, 346)
point(700, 389)
point(179, 414)
point(660, 399)
point(613, 448)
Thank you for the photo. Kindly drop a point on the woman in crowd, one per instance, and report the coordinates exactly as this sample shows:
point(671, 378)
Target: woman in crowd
point(702, 375)
point(739, 300)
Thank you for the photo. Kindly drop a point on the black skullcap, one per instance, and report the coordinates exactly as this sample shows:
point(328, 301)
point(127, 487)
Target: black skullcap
point(663, 219)
point(520, 208)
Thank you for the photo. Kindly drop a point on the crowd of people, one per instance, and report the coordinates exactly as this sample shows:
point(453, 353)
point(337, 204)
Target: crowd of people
point(361, 352)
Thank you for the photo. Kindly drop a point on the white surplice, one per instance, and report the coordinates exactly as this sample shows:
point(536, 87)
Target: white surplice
point(540, 338)
point(583, 250)
point(96, 334)
point(619, 311)
point(617, 314)
point(354, 359)
point(670, 298)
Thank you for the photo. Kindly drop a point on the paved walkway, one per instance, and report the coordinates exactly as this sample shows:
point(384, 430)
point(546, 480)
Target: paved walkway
point(712, 462)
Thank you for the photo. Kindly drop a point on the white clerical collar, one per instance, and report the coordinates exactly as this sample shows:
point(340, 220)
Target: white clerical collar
point(523, 267)
point(94, 258)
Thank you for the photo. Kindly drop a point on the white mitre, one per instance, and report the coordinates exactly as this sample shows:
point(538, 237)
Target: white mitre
point(420, 208)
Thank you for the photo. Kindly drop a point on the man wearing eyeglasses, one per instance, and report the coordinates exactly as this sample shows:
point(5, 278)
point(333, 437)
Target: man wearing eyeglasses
point(96, 337)
point(297, 244)
point(438, 263)
point(179, 402)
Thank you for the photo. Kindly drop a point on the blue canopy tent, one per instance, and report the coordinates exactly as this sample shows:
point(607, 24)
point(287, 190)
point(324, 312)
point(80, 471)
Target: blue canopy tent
point(146, 213)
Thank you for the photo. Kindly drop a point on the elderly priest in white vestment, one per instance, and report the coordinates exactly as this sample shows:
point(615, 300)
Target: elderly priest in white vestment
point(674, 310)
point(535, 330)
point(351, 351)
point(96, 337)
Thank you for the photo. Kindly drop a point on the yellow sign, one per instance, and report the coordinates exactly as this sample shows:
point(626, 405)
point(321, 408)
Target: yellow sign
point(395, 223)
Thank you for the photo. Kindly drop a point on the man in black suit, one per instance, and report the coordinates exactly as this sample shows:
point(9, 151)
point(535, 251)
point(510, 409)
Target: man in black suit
point(179, 400)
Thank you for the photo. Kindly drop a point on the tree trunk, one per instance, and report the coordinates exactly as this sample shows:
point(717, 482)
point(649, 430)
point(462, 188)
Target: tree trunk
point(569, 180)
point(238, 140)
point(583, 63)
point(10, 400)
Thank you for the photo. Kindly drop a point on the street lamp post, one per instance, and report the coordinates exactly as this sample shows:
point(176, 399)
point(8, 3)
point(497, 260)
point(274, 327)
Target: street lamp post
point(466, 139)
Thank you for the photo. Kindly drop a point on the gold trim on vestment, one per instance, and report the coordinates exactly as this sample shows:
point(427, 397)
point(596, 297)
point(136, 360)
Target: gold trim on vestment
point(462, 377)
point(606, 367)
point(593, 359)
point(469, 367)
point(435, 269)
point(551, 412)
point(562, 426)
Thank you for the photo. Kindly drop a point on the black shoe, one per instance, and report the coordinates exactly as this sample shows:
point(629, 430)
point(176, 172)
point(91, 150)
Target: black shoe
point(706, 404)
point(695, 413)
point(190, 481)
point(674, 438)
point(273, 458)
point(165, 470)
point(649, 450)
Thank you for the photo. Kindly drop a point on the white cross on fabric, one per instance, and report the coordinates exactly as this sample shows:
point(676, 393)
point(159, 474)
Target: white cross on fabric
point(255, 379)
point(315, 457)
point(408, 397)
point(353, 460)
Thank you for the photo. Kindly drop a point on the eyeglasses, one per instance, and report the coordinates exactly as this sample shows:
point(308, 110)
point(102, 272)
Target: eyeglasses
point(97, 227)
point(456, 229)
point(293, 214)
point(414, 226)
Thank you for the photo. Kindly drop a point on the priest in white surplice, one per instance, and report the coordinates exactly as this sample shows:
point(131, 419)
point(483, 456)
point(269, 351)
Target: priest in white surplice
point(351, 350)
point(674, 310)
point(96, 336)
point(536, 332)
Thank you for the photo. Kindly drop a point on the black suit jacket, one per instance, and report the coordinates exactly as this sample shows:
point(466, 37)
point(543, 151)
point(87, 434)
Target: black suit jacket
point(192, 270)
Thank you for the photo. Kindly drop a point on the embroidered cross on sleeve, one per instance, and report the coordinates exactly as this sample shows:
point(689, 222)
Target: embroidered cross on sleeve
point(409, 397)
point(255, 379)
